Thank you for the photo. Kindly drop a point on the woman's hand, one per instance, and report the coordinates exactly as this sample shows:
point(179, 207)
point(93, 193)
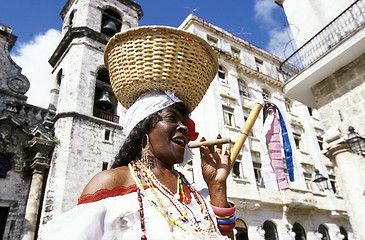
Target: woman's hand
point(215, 169)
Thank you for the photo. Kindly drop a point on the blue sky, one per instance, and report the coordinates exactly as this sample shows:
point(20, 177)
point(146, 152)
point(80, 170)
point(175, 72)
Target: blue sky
point(37, 25)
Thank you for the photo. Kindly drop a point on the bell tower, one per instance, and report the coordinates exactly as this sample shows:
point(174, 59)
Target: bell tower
point(86, 126)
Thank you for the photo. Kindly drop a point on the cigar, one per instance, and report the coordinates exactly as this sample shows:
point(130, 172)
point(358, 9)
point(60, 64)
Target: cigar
point(209, 142)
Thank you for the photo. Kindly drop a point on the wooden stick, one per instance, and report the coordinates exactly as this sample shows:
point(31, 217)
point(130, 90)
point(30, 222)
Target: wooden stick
point(209, 142)
point(244, 132)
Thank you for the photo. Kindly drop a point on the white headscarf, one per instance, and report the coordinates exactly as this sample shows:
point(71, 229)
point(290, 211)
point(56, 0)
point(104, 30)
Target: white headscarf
point(148, 103)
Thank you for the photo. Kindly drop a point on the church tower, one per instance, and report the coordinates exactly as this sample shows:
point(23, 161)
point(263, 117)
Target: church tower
point(87, 128)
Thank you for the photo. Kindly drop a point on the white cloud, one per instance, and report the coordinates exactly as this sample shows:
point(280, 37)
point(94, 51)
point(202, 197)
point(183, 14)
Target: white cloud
point(33, 58)
point(264, 10)
point(281, 42)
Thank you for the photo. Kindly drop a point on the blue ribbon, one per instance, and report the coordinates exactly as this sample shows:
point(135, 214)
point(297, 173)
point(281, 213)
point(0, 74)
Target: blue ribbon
point(287, 147)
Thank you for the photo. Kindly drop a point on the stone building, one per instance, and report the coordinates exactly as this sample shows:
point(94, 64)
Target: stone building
point(247, 74)
point(327, 73)
point(26, 144)
point(59, 149)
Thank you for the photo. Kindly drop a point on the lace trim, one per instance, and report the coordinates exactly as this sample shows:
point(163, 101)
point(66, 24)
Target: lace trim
point(106, 193)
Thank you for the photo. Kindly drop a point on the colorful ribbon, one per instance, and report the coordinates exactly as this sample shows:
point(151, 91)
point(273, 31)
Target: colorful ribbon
point(287, 147)
point(274, 145)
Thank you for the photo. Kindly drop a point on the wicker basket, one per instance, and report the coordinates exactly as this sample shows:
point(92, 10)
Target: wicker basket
point(160, 57)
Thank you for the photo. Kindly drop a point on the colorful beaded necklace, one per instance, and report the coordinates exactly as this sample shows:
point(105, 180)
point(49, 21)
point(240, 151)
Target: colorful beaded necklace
point(139, 172)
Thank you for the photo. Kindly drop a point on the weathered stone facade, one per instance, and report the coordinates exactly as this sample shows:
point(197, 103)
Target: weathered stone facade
point(25, 136)
point(336, 80)
point(340, 99)
point(342, 95)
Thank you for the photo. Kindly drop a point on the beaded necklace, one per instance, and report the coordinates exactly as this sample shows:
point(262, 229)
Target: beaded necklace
point(140, 171)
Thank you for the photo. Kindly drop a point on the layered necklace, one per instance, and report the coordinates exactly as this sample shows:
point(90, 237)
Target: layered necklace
point(187, 219)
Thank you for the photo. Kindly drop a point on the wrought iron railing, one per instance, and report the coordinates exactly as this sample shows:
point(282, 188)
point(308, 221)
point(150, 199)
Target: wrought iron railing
point(349, 21)
point(106, 115)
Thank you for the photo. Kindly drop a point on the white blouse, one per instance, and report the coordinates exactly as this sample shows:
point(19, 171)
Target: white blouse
point(118, 217)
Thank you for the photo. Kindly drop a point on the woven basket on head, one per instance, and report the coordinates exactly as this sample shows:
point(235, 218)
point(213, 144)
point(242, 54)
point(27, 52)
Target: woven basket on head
point(159, 57)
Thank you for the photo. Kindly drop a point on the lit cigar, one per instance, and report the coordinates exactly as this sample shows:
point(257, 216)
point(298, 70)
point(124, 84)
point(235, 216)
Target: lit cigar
point(209, 142)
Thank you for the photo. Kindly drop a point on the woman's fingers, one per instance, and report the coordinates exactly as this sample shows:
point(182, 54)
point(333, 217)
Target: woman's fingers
point(219, 146)
point(204, 152)
point(215, 152)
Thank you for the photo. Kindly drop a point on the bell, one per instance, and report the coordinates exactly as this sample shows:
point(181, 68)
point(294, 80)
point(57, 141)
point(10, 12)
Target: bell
point(109, 28)
point(104, 101)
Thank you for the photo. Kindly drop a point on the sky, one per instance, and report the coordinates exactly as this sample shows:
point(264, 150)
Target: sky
point(37, 25)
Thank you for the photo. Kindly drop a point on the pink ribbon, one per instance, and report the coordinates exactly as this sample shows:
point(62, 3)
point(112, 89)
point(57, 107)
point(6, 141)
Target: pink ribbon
point(276, 158)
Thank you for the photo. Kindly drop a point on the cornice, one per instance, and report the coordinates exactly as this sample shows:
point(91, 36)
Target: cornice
point(73, 33)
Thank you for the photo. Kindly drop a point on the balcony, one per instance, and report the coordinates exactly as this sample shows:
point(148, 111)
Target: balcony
point(106, 115)
point(336, 45)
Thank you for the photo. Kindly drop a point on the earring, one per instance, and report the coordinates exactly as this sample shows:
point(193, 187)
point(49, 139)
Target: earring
point(146, 159)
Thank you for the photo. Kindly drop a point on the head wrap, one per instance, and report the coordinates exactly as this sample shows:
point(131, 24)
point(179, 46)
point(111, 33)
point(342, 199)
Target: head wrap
point(148, 103)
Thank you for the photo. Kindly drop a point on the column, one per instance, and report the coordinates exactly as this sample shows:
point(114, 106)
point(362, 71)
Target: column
point(39, 166)
point(351, 181)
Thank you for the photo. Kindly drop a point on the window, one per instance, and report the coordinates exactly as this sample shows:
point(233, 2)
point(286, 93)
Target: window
point(266, 95)
point(308, 180)
point(56, 91)
point(237, 170)
point(111, 22)
point(256, 161)
point(310, 110)
point(105, 103)
point(228, 115)
point(297, 140)
point(320, 142)
point(242, 88)
point(270, 231)
point(4, 165)
point(324, 231)
point(235, 52)
point(241, 228)
point(259, 64)
point(299, 232)
point(212, 41)
point(107, 135)
point(105, 166)
point(222, 74)
point(103, 76)
point(4, 211)
point(288, 105)
point(258, 175)
point(343, 233)
point(285, 170)
point(71, 18)
point(59, 79)
point(332, 180)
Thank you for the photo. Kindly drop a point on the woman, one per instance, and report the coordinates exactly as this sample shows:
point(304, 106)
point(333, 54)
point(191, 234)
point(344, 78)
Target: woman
point(143, 196)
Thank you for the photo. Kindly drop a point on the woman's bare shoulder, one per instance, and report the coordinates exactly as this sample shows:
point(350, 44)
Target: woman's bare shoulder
point(109, 179)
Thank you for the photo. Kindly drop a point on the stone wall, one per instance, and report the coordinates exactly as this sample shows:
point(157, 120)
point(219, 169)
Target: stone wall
point(20, 123)
point(15, 186)
point(341, 96)
point(81, 150)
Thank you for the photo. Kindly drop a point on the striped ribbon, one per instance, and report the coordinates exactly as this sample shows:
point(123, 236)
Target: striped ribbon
point(287, 147)
point(274, 145)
